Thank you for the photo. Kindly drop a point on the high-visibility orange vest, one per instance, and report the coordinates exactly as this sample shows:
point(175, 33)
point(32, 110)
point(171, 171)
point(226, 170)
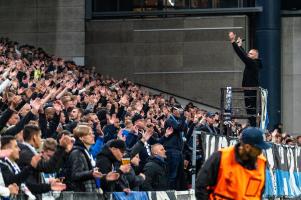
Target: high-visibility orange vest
point(236, 182)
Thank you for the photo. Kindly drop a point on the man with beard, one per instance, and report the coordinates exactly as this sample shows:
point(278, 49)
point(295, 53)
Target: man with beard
point(236, 172)
point(74, 118)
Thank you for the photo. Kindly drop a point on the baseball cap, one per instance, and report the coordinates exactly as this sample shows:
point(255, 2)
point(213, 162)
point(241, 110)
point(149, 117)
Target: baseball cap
point(254, 137)
point(118, 144)
point(210, 114)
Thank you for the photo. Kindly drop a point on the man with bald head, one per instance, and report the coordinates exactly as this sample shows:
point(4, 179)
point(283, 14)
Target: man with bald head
point(250, 75)
point(156, 170)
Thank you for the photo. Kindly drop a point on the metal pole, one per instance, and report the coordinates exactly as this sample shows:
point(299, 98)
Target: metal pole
point(258, 106)
point(193, 159)
point(88, 9)
point(222, 106)
point(118, 5)
point(268, 40)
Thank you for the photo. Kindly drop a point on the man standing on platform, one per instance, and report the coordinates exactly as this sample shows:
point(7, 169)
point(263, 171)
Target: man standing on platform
point(250, 75)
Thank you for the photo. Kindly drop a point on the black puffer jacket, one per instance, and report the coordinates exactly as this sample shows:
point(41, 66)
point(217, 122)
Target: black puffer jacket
point(79, 170)
point(156, 173)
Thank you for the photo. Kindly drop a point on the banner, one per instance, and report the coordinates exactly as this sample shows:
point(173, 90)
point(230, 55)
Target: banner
point(228, 106)
point(264, 110)
point(283, 176)
point(130, 196)
point(153, 195)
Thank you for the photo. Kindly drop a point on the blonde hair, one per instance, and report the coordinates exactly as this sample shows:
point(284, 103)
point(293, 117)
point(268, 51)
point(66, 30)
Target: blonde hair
point(81, 130)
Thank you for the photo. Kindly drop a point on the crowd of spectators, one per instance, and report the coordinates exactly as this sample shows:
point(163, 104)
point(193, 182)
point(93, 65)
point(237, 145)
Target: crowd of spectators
point(277, 136)
point(66, 127)
point(274, 135)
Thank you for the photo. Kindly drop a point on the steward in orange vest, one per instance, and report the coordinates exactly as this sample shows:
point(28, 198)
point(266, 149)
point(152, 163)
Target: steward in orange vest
point(235, 173)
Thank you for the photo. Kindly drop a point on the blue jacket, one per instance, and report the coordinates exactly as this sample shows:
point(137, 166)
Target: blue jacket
point(96, 148)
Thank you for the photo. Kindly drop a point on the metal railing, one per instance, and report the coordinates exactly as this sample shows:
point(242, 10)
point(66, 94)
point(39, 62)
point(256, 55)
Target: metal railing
point(163, 8)
point(187, 195)
point(235, 107)
point(147, 5)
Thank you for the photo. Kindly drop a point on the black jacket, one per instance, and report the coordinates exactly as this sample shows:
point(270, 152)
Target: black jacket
point(70, 125)
point(106, 162)
point(79, 170)
point(156, 173)
point(252, 67)
point(34, 181)
point(5, 117)
point(134, 180)
point(14, 130)
point(48, 128)
point(9, 175)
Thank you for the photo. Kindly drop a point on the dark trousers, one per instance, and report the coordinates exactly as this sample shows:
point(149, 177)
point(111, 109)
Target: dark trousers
point(160, 5)
point(175, 164)
point(250, 104)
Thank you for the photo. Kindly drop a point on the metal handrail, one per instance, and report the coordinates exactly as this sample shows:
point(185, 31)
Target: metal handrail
point(208, 11)
point(241, 90)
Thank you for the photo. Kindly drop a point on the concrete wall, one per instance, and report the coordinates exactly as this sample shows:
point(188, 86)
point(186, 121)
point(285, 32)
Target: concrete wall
point(291, 74)
point(58, 26)
point(190, 57)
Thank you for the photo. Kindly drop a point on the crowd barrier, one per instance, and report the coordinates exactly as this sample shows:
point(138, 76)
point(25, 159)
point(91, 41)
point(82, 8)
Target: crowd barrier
point(164, 195)
point(283, 176)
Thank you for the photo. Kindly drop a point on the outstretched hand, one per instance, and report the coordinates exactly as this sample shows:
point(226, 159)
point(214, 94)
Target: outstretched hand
point(35, 160)
point(112, 176)
point(168, 132)
point(148, 134)
point(57, 186)
point(36, 105)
